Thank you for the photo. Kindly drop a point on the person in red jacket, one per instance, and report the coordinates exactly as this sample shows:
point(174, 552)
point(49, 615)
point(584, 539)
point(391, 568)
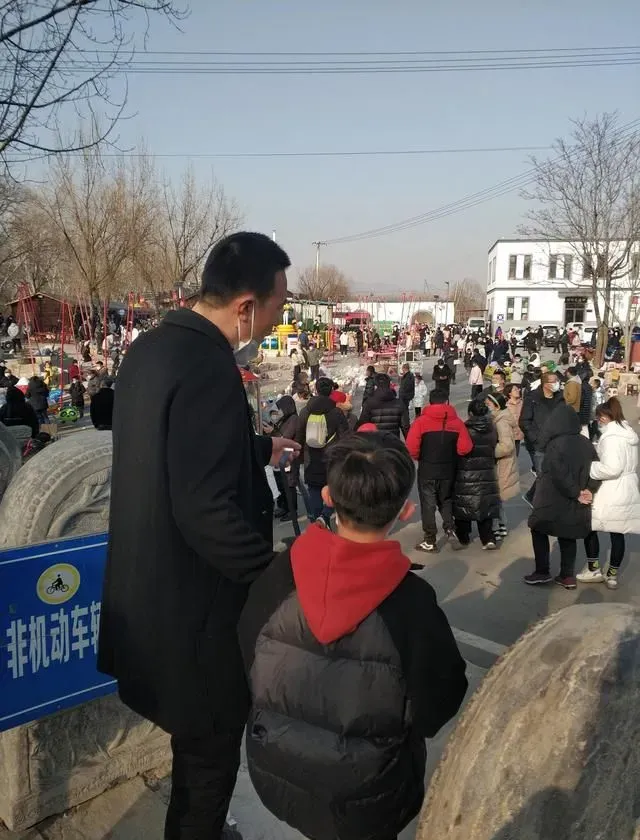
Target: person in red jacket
point(435, 440)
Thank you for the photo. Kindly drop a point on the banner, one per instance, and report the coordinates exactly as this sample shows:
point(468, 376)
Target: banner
point(49, 622)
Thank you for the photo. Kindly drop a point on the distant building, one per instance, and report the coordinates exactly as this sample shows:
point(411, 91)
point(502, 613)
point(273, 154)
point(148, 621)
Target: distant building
point(538, 282)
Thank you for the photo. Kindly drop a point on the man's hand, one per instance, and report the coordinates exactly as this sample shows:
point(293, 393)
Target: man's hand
point(585, 497)
point(280, 447)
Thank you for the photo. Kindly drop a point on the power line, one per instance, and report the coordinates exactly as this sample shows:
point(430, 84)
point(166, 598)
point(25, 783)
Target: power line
point(391, 63)
point(329, 154)
point(521, 51)
point(465, 203)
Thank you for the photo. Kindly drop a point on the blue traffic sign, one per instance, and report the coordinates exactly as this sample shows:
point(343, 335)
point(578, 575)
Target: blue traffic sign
point(49, 621)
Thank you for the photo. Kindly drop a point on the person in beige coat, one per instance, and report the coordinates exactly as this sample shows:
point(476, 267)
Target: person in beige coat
point(506, 460)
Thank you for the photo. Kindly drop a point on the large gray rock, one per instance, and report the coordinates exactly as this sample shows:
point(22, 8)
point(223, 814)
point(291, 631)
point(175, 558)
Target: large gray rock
point(62, 492)
point(10, 458)
point(549, 746)
point(64, 759)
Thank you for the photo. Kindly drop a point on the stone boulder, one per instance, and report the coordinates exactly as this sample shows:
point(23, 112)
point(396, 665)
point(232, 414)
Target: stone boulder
point(61, 760)
point(549, 746)
point(10, 458)
point(62, 491)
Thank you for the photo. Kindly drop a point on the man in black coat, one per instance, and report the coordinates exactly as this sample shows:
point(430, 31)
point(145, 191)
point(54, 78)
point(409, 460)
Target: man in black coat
point(561, 503)
point(536, 410)
point(442, 377)
point(191, 525)
point(385, 410)
point(407, 390)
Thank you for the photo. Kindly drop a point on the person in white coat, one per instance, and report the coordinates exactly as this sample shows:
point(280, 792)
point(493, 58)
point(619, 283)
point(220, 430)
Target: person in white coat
point(421, 395)
point(616, 504)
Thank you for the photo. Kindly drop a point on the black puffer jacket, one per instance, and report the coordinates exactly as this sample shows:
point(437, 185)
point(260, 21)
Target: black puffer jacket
point(536, 410)
point(407, 390)
point(565, 472)
point(476, 495)
point(369, 388)
point(351, 665)
point(388, 412)
point(37, 394)
point(315, 470)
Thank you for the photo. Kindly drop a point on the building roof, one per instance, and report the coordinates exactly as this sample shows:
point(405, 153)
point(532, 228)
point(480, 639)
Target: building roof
point(36, 296)
point(524, 239)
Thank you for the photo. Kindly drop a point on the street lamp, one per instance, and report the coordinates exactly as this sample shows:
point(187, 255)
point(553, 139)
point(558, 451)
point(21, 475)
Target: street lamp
point(446, 314)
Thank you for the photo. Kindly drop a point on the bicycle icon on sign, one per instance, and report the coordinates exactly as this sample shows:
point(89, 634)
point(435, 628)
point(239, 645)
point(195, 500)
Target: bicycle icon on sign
point(58, 585)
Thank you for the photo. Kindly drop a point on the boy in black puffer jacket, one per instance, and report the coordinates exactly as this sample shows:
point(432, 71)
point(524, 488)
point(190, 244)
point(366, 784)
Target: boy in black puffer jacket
point(476, 497)
point(385, 409)
point(350, 661)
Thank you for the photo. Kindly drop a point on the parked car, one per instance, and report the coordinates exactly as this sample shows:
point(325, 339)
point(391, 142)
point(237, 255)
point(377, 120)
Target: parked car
point(575, 326)
point(586, 334)
point(551, 335)
point(520, 333)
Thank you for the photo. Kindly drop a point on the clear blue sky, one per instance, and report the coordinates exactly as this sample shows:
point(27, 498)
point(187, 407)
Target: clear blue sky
point(321, 198)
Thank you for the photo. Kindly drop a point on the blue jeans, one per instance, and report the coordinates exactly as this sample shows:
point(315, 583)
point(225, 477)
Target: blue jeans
point(318, 507)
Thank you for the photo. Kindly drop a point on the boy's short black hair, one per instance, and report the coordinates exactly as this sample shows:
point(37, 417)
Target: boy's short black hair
point(370, 477)
point(242, 262)
point(438, 397)
point(324, 386)
point(499, 372)
point(382, 380)
point(371, 371)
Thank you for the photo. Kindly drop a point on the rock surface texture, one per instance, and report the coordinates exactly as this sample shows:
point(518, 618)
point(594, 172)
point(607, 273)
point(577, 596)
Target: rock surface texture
point(549, 746)
point(58, 762)
point(10, 458)
point(64, 759)
point(62, 492)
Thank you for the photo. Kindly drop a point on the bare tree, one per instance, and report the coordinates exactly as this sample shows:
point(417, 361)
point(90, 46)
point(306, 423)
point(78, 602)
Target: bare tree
point(53, 57)
point(469, 298)
point(103, 216)
point(192, 220)
point(587, 197)
point(327, 283)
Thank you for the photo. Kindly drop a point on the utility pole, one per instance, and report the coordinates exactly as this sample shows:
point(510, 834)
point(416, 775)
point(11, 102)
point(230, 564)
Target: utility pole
point(446, 314)
point(318, 245)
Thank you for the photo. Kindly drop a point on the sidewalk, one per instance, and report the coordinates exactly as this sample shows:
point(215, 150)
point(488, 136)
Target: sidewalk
point(136, 808)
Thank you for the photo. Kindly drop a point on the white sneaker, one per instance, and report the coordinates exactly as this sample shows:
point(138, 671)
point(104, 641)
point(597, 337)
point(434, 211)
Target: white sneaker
point(587, 576)
point(426, 546)
point(612, 582)
point(490, 546)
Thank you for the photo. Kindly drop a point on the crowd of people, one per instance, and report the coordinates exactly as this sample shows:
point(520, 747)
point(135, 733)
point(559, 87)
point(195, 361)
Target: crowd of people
point(215, 638)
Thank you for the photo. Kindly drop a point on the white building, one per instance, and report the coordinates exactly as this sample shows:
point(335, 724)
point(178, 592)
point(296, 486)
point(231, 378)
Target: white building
point(402, 310)
point(535, 283)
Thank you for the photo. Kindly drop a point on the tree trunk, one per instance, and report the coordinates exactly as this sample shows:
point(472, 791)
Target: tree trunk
point(601, 345)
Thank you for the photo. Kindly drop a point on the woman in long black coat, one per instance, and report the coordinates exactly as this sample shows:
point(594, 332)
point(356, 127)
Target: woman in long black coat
point(561, 504)
point(476, 496)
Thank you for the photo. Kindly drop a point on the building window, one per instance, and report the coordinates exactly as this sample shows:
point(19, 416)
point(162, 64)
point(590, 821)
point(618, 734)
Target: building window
point(553, 266)
point(568, 265)
point(513, 262)
point(524, 309)
point(492, 272)
point(526, 269)
point(635, 266)
point(510, 308)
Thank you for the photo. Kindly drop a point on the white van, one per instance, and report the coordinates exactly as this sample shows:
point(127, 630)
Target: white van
point(474, 324)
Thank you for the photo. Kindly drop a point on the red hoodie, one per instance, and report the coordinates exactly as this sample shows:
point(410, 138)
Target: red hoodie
point(437, 418)
point(339, 582)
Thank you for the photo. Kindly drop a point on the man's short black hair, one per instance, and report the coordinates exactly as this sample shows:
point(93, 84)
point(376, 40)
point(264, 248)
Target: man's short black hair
point(370, 477)
point(242, 262)
point(324, 386)
point(499, 372)
point(572, 371)
point(438, 397)
point(382, 380)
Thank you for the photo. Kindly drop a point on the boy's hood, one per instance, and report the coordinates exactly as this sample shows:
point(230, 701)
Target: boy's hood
point(339, 583)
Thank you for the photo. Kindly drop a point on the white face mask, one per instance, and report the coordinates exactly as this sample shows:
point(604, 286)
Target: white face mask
point(555, 386)
point(246, 350)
